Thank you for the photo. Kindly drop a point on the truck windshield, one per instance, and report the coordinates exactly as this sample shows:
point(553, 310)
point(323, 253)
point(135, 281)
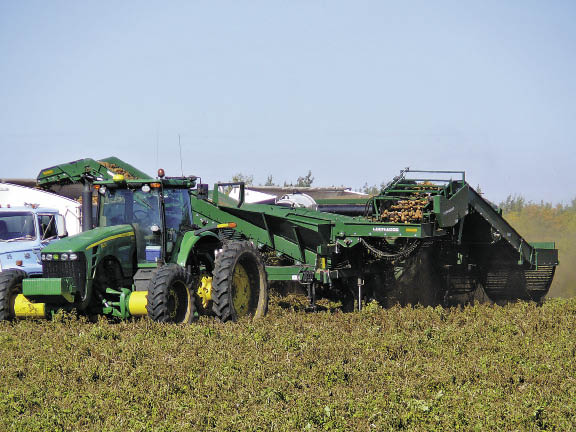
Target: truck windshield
point(17, 226)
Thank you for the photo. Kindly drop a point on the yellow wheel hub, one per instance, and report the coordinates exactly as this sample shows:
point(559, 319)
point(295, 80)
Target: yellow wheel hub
point(179, 302)
point(241, 291)
point(205, 290)
point(173, 303)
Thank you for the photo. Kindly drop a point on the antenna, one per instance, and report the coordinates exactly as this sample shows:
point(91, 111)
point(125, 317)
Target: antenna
point(180, 146)
point(157, 145)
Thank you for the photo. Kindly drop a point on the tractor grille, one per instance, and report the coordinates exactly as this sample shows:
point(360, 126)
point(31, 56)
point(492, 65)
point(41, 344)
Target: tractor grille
point(73, 269)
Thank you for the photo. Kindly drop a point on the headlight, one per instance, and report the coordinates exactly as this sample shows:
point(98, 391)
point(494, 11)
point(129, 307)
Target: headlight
point(43, 257)
point(48, 257)
point(73, 257)
point(64, 257)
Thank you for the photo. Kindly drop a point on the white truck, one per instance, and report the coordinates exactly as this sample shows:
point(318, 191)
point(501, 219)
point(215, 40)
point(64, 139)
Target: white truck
point(29, 220)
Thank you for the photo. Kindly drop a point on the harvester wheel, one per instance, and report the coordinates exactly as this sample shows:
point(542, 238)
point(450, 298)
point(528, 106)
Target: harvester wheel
point(170, 297)
point(240, 284)
point(10, 287)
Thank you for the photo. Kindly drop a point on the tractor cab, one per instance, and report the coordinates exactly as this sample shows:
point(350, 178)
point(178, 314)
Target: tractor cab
point(159, 211)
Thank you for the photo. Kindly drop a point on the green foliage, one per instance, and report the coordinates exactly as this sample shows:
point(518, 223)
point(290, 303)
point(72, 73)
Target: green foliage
point(473, 368)
point(304, 181)
point(269, 181)
point(513, 203)
point(372, 190)
point(239, 177)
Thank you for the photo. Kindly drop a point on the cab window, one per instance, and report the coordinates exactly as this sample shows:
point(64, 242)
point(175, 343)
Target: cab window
point(47, 224)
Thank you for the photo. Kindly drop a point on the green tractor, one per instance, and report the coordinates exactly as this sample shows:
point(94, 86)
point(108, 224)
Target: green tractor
point(145, 257)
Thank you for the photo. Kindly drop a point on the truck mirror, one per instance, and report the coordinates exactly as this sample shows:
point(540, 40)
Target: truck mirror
point(203, 191)
point(61, 226)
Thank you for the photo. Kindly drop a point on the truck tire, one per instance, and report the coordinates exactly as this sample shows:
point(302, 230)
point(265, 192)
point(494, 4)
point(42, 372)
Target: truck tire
point(10, 287)
point(240, 283)
point(170, 297)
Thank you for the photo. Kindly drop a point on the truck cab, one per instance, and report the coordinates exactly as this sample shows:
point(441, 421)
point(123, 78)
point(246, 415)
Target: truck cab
point(24, 232)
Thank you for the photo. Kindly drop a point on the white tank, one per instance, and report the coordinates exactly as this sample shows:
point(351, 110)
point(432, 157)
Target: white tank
point(297, 200)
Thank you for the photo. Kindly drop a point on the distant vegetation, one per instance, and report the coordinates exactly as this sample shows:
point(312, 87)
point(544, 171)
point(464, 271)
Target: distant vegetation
point(479, 368)
point(547, 222)
point(302, 181)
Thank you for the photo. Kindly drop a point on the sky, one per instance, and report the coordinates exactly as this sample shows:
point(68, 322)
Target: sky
point(352, 90)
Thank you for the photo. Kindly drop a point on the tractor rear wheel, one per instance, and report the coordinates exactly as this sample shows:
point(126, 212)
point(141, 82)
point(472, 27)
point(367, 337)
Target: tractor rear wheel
point(10, 287)
point(240, 284)
point(170, 297)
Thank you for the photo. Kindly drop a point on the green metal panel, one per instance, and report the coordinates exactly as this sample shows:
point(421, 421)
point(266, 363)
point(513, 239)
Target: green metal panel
point(143, 264)
point(49, 287)
point(451, 210)
point(283, 273)
point(543, 245)
point(187, 245)
point(373, 229)
point(212, 215)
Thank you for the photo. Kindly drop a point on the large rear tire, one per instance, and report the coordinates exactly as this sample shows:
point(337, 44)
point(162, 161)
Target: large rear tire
point(10, 287)
point(240, 284)
point(170, 297)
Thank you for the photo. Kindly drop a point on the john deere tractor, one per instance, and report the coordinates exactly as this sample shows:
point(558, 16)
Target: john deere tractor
point(145, 257)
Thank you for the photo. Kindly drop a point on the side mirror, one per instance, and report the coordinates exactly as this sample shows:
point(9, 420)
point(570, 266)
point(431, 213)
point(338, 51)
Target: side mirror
point(202, 191)
point(61, 226)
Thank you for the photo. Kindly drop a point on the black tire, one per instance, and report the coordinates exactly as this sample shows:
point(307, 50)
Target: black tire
point(10, 287)
point(170, 297)
point(240, 284)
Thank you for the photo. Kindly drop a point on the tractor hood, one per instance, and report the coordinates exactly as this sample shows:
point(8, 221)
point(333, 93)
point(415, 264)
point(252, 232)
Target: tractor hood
point(90, 239)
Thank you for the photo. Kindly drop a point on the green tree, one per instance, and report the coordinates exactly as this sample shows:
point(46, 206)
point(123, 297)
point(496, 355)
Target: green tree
point(247, 179)
point(371, 190)
point(269, 181)
point(513, 203)
point(305, 181)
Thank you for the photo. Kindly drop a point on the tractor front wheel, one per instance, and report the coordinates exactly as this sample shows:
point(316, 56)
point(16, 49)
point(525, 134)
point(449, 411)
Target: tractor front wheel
point(170, 297)
point(10, 287)
point(240, 284)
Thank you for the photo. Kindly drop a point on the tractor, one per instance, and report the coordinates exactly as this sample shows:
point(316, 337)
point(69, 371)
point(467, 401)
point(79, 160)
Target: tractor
point(145, 256)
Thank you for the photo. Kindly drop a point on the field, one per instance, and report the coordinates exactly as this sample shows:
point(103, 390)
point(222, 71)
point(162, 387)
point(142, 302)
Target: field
point(473, 368)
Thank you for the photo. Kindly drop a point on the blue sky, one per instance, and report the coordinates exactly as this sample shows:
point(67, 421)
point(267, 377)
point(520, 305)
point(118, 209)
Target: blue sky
point(353, 91)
